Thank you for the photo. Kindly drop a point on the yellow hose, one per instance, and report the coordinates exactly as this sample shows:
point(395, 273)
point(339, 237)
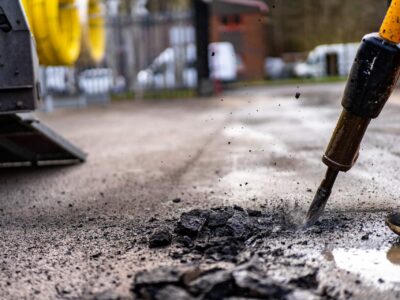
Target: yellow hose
point(94, 34)
point(56, 27)
point(390, 29)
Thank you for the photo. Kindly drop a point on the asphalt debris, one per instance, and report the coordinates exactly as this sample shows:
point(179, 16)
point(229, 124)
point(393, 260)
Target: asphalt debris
point(229, 253)
point(365, 237)
point(309, 281)
point(219, 233)
point(160, 238)
point(106, 295)
point(177, 200)
point(246, 281)
point(191, 223)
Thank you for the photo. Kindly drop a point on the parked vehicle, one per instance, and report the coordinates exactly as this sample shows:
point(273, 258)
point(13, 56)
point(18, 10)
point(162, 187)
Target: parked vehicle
point(162, 73)
point(223, 62)
point(275, 68)
point(328, 60)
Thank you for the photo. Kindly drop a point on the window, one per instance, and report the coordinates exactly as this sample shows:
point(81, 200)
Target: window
point(231, 20)
point(237, 19)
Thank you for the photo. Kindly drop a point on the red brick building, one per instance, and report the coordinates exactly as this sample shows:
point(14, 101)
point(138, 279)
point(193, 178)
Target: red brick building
point(244, 24)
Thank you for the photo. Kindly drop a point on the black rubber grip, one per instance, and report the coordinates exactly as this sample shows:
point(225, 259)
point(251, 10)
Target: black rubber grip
point(373, 77)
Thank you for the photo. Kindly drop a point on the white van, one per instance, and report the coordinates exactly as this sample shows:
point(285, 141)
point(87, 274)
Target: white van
point(328, 60)
point(161, 73)
point(223, 62)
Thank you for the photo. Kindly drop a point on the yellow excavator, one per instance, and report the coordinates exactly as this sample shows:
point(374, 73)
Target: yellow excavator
point(49, 32)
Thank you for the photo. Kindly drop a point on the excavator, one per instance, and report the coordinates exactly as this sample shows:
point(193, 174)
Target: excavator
point(49, 33)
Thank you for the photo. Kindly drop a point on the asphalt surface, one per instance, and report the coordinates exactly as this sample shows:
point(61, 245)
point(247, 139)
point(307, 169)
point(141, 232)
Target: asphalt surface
point(71, 232)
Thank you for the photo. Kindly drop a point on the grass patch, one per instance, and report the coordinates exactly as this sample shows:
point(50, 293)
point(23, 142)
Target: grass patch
point(185, 93)
point(156, 95)
point(291, 81)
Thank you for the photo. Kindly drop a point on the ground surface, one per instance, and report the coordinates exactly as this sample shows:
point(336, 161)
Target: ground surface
point(69, 233)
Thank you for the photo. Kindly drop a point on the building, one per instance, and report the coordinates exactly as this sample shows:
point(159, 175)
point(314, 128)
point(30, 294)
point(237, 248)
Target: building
point(244, 24)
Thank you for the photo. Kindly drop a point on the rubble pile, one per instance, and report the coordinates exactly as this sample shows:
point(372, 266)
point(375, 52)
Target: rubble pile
point(219, 234)
point(246, 281)
point(225, 254)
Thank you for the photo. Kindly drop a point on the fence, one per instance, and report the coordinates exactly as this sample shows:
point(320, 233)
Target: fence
point(149, 55)
point(153, 52)
point(74, 87)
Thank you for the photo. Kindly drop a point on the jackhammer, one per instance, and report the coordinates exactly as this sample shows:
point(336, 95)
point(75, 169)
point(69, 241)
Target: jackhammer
point(372, 80)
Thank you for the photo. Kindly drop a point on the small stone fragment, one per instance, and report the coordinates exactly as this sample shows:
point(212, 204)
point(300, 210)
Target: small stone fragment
point(224, 249)
point(365, 237)
point(173, 293)
point(107, 295)
point(185, 241)
point(256, 286)
point(240, 225)
point(177, 200)
point(95, 255)
point(213, 284)
point(160, 238)
point(308, 281)
point(147, 284)
point(254, 213)
point(219, 217)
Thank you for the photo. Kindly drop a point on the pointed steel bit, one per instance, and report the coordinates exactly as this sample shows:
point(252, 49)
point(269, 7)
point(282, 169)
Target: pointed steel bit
point(321, 198)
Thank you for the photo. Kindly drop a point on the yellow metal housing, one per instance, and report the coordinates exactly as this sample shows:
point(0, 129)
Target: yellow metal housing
point(390, 29)
point(57, 30)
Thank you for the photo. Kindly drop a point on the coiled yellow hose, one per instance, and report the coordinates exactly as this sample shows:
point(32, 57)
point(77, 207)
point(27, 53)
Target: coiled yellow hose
point(57, 30)
point(94, 34)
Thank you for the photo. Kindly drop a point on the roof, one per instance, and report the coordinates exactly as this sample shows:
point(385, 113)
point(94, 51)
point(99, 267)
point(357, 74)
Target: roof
point(261, 5)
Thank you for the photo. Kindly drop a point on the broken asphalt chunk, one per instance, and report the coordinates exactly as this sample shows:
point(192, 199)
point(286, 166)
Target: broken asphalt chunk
point(219, 216)
point(191, 223)
point(256, 286)
point(147, 284)
point(240, 225)
point(160, 238)
point(173, 293)
point(213, 284)
point(309, 281)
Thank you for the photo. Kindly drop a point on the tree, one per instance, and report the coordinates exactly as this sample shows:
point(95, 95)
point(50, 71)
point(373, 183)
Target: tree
point(301, 25)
